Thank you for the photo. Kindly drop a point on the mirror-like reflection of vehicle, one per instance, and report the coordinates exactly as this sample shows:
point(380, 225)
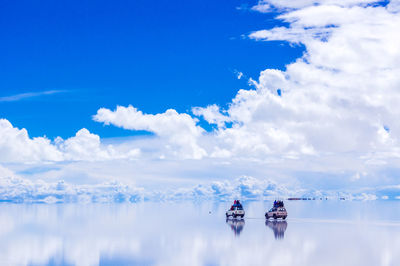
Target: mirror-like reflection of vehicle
point(236, 225)
point(277, 211)
point(236, 210)
point(279, 228)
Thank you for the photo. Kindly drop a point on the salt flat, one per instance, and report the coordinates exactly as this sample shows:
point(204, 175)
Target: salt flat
point(197, 233)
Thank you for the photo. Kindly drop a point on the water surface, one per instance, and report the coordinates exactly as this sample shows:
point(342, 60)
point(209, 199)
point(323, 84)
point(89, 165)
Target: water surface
point(187, 233)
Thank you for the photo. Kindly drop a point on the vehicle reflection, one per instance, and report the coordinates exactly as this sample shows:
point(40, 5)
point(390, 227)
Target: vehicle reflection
point(279, 228)
point(236, 225)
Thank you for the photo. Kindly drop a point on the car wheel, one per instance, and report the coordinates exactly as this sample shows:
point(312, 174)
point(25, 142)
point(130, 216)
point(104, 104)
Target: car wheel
point(275, 216)
point(284, 217)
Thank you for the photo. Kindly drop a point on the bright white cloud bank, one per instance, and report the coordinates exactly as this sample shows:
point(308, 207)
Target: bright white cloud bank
point(19, 190)
point(340, 97)
point(17, 146)
point(178, 130)
point(334, 111)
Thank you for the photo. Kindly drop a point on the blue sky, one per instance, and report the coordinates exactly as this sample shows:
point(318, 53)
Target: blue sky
point(154, 55)
point(316, 108)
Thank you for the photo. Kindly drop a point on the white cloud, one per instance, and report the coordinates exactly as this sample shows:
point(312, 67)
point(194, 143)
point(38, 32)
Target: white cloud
point(337, 98)
point(394, 6)
point(87, 147)
point(6, 173)
point(17, 147)
point(333, 112)
point(179, 130)
point(334, 102)
point(239, 74)
point(265, 6)
point(26, 95)
point(211, 114)
point(16, 189)
point(262, 7)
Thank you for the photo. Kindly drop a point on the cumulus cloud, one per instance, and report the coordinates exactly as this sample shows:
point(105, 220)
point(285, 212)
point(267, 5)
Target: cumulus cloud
point(339, 100)
point(16, 189)
point(339, 97)
point(179, 130)
point(87, 146)
point(211, 114)
point(334, 111)
point(265, 6)
point(334, 107)
point(17, 147)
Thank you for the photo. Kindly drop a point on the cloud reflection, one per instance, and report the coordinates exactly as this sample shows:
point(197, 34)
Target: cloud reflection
point(190, 233)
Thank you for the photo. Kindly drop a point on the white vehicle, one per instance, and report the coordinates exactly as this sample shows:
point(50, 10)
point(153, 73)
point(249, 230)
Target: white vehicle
point(278, 211)
point(236, 211)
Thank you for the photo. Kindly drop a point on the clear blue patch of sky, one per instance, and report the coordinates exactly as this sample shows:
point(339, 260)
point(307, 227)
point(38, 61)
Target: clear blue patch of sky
point(38, 170)
point(380, 3)
point(153, 55)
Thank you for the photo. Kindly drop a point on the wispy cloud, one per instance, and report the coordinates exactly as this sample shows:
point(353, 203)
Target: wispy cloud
point(27, 95)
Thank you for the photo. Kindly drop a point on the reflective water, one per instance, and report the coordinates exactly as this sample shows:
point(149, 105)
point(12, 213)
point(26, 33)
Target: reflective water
point(315, 233)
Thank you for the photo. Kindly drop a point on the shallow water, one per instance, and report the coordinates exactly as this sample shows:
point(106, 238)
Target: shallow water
point(315, 233)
